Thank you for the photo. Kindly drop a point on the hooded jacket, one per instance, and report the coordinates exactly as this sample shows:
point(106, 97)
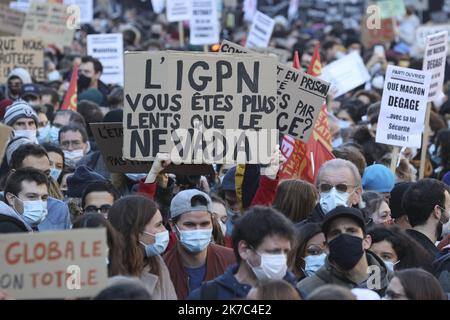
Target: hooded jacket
point(22, 74)
point(329, 274)
point(226, 287)
point(10, 221)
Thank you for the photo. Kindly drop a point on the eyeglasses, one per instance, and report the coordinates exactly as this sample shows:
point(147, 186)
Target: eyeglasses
point(341, 187)
point(93, 209)
point(391, 295)
point(74, 143)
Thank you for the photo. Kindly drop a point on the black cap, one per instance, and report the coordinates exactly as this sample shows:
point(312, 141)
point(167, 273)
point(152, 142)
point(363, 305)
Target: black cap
point(30, 89)
point(341, 212)
point(395, 202)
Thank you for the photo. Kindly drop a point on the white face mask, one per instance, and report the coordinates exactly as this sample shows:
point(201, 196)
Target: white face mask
point(390, 265)
point(273, 267)
point(72, 157)
point(333, 198)
point(30, 134)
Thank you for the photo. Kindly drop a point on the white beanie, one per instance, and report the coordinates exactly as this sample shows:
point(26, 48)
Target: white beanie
point(22, 73)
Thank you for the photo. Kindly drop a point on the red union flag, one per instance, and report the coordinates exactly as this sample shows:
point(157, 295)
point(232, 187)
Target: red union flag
point(304, 160)
point(70, 100)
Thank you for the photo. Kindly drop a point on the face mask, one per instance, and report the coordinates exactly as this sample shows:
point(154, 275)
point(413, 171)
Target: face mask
point(273, 267)
point(378, 82)
point(53, 76)
point(160, 245)
point(195, 241)
point(344, 124)
point(54, 135)
point(232, 215)
point(54, 173)
point(83, 82)
point(314, 263)
point(223, 227)
point(135, 176)
point(346, 251)
point(339, 55)
point(72, 157)
point(44, 134)
point(30, 134)
point(337, 142)
point(34, 211)
point(390, 265)
point(331, 199)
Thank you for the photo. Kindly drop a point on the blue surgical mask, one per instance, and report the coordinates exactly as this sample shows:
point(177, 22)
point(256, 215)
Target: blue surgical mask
point(232, 215)
point(344, 124)
point(333, 198)
point(54, 135)
point(195, 241)
point(34, 211)
point(55, 173)
point(314, 263)
point(160, 244)
point(44, 134)
point(390, 265)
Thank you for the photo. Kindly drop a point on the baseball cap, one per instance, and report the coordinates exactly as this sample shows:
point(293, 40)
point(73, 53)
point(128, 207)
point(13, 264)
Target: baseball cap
point(182, 203)
point(30, 90)
point(343, 212)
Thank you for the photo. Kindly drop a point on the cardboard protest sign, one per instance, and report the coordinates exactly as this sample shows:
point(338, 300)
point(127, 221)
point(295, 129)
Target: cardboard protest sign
point(21, 52)
point(5, 134)
point(213, 109)
point(51, 265)
point(49, 21)
point(203, 23)
point(346, 74)
point(108, 48)
point(260, 31)
point(11, 21)
point(434, 61)
point(109, 138)
point(86, 9)
point(178, 10)
point(391, 8)
point(403, 107)
point(425, 31)
point(299, 97)
point(373, 36)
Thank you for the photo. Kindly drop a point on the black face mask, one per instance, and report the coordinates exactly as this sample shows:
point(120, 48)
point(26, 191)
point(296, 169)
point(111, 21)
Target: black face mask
point(346, 251)
point(83, 82)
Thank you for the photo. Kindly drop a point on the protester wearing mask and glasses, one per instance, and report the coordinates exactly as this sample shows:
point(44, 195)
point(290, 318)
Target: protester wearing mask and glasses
point(348, 262)
point(23, 119)
point(26, 192)
point(91, 70)
point(339, 184)
point(262, 238)
point(56, 157)
point(194, 259)
point(98, 197)
point(144, 238)
point(309, 252)
point(74, 143)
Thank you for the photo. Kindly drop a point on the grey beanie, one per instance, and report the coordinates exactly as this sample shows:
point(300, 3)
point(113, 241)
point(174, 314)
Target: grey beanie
point(19, 109)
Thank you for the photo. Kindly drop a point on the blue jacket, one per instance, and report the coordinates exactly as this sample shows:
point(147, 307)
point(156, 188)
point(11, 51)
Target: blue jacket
point(227, 287)
point(58, 216)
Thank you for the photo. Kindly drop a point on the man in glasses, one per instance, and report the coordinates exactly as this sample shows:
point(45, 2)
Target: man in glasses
point(98, 197)
point(339, 184)
point(74, 143)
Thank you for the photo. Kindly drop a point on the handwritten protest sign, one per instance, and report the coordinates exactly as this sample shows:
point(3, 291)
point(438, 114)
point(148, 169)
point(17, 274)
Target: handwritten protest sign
point(260, 31)
point(203, 23)
point(11, 21)
point(21, 52)
point(299, 97)
point(49, 21)
point(434, 61)
point(5, 133)
point(403, 107)
point(109, 138)
point(178, 10)
point(50, 265)
point(108, 48)
point(346, 73)
point(213, 109)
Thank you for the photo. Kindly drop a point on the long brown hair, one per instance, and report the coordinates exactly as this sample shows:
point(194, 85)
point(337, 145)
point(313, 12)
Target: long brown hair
point(276, 290)
point(420, 285)
point(129, 216)
point(295, 199)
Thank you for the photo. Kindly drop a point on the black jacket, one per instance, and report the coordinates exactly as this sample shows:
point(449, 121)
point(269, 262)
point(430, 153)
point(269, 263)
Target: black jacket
point(9, 224)
point(424, 241)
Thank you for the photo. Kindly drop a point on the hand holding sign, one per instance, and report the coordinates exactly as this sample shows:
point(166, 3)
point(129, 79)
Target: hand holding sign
point(162, 161)
point(277, 159)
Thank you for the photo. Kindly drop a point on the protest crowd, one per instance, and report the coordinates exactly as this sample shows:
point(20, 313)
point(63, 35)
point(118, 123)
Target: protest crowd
point(352, 201)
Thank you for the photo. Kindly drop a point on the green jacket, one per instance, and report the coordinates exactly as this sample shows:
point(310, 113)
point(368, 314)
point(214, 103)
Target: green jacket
point(329, 274)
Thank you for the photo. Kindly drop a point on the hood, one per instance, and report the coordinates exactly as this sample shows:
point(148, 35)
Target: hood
point(8, 211)
point(23, 74)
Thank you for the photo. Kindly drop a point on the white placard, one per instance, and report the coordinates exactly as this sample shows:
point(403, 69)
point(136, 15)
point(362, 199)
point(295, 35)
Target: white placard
point(250, 9)
point(346, 73)
point(434, 61)
point(178, 10)
point(424, 31)
point(86, 9)
point(403, 107)
point(158, 6)
point(260, 31)
point(108, 48)
point(204, 25)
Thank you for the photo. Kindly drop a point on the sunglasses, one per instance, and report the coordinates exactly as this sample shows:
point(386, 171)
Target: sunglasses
point(341, 187)
point(93, 209)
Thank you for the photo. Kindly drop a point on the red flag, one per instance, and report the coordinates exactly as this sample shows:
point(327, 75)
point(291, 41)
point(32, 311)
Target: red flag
point(304, 160)
point(70, 100)
point(296, 62)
